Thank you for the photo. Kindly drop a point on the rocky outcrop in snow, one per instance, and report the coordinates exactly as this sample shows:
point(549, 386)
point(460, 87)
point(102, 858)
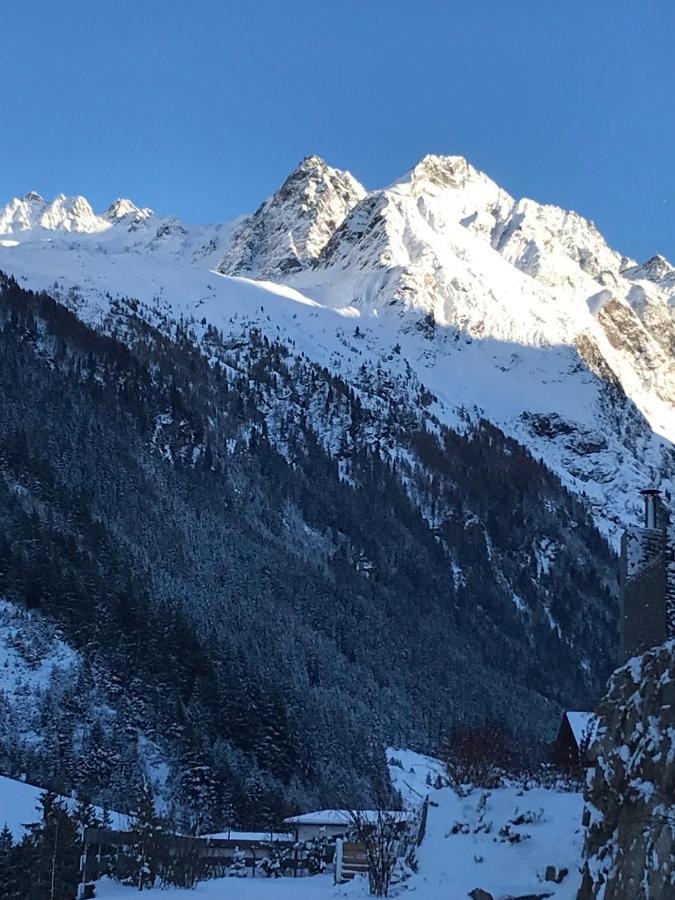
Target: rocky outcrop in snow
point(630, 798)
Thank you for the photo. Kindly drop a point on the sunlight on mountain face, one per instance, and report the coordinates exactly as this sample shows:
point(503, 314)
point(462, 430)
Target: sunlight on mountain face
point(503, 307)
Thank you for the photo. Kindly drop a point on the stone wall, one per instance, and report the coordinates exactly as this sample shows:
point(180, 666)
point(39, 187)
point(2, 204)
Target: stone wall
point(644, 622)
point(629, 851)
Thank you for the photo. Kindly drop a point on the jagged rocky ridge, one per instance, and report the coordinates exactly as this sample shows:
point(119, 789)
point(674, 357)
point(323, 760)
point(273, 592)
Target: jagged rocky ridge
point(267, 573)
point(630, 812)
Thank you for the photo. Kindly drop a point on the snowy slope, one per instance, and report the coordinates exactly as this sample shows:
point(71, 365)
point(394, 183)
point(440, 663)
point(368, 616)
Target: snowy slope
point(502, 308)
point(413, 775)
point(31, 654)
point(36, 666)
point(20, 806)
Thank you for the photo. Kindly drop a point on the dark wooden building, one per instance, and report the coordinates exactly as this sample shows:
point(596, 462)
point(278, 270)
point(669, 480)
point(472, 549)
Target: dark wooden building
point(576, 732)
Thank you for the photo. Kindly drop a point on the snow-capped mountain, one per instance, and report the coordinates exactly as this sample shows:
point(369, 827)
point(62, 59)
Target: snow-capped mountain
point(502, 308)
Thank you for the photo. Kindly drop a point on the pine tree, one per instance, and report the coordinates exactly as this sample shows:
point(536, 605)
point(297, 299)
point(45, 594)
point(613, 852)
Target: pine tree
point(56, 852)
point(7, 880)
point(147, 833)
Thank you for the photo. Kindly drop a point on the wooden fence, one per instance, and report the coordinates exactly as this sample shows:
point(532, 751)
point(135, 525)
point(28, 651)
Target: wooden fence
point(107, 851)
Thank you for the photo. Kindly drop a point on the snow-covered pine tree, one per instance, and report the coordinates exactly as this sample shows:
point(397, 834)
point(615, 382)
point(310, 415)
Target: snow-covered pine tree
point(7, 876)
point(237, 868)
point(148, 833)
point(55, 856)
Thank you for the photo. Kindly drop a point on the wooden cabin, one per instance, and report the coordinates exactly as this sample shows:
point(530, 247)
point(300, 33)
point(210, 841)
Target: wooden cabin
point(571, 747)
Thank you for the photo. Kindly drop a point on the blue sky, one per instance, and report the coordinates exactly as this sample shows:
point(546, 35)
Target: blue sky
point(202, 108)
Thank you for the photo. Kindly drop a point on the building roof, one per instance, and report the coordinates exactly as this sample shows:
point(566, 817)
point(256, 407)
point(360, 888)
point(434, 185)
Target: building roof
point(583, 725)
point(344, 817)
point(264, 837)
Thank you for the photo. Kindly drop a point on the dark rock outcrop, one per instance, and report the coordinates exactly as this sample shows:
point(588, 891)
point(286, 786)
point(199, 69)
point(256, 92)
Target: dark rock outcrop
point(630, 798)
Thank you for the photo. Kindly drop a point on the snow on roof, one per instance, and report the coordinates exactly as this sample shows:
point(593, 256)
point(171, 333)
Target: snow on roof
point(264, 837)
point(344, 816)
point(583, 725)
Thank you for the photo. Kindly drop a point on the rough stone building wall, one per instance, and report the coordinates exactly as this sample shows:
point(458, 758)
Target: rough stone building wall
point(670, 580)
point(629, 850)
point(647, 589)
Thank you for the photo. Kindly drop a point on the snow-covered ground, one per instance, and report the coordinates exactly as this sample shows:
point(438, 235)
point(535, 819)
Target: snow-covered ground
point(412, 774)
point(20, 806)
point(477, 856)
point(318, 888)
point(469, 844)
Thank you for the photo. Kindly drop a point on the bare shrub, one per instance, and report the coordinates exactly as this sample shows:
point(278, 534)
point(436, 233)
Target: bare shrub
point(380, 833)
point(480, 755)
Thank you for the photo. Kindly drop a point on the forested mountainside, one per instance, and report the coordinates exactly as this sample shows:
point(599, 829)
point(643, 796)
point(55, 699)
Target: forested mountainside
point(509, 310)
point(262, 573)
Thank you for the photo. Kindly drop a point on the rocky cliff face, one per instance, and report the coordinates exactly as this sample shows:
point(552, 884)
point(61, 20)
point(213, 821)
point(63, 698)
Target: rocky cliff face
point(630, 798)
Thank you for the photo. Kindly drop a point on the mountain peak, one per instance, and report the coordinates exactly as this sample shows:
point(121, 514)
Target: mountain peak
point(72, 214)
point(123, 208)
point(434, 171)
point(289, 231)
point(445, 171)
point(656, 269)
point(311, 162)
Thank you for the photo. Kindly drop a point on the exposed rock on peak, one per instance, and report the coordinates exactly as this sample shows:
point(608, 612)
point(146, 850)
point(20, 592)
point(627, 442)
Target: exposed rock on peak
point(657, 269)
point(310, 163)
point(125, 209)
point(444, 171)
point(289, 231)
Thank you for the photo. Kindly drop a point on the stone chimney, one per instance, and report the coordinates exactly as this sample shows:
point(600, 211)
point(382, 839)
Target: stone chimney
point(653, 508)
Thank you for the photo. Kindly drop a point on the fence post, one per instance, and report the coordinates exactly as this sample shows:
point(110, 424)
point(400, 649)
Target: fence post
point(338, 860)
point(81, 890)
point(421, 831)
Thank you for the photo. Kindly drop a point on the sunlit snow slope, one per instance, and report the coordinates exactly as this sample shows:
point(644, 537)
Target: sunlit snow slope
point(505, 309)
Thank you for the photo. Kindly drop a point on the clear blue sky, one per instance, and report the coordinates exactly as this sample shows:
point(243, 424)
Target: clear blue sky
point(201, 107)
